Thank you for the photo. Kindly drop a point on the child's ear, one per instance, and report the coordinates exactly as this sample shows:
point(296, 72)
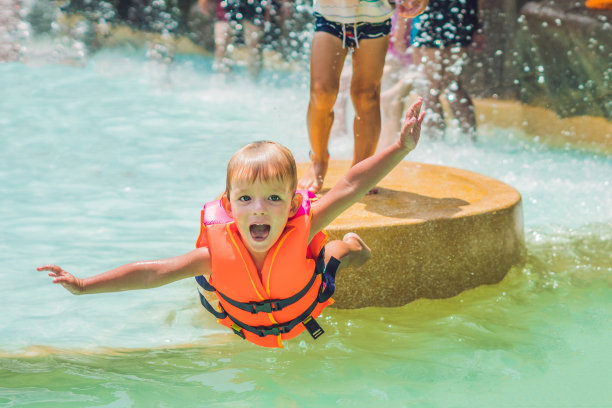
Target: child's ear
point(225, 202)
point(296, 203)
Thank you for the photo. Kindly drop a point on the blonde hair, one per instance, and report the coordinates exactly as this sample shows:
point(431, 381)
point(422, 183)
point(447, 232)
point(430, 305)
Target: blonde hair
point(264, 161)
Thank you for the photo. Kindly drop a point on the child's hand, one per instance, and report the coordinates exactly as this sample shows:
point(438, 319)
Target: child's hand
point(72, 284)
point(411, 129)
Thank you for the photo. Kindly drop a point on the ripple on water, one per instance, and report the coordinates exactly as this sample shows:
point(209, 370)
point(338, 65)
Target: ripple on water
point(104, 166)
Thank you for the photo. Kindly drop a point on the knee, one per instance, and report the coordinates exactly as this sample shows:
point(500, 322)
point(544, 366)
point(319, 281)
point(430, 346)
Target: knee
point(323, 95)
point(366, 97)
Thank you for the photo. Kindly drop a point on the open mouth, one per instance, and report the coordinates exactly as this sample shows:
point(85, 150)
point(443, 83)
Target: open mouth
point(259, 232)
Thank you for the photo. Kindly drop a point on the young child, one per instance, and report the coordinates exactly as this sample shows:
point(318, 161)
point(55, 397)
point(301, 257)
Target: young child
point(260, 246)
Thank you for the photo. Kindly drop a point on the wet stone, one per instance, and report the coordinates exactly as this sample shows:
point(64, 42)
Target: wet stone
point(434, 232)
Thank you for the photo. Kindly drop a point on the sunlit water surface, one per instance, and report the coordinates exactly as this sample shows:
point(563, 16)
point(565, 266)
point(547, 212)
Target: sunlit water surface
point(111, 162)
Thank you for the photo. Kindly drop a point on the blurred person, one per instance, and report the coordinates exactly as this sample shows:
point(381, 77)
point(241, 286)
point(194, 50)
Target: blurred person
point(440, 38)
point(234, 16)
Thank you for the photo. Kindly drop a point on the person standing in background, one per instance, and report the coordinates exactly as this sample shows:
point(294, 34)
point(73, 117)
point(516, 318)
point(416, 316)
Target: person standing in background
point(362, 27)
point(440, 37)
point(238, 15)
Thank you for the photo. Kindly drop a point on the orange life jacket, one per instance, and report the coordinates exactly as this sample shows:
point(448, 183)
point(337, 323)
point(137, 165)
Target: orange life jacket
point(294, 287)
point(599, 4)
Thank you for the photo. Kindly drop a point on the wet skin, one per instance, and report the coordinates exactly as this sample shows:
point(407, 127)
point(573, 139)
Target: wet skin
point(260, 210)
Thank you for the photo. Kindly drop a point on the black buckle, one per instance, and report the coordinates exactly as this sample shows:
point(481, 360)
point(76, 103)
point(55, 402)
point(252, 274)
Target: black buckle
point(268, 306)
point(274, 330)
point(313, 327)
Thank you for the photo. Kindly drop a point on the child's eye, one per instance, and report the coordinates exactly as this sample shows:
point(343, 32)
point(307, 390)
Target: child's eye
point(244, 198)
point(274, 197)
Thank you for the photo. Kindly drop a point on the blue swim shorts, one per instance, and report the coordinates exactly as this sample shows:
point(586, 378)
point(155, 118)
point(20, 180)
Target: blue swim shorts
point(351, 34)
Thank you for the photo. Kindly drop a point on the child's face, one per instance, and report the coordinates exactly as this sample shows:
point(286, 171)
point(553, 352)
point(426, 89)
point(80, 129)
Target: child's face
point(260, 210)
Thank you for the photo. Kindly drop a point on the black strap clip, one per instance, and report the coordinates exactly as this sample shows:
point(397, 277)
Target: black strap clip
point(271, 330)
point(313, 327)
point(267, 306)
point(238, 331)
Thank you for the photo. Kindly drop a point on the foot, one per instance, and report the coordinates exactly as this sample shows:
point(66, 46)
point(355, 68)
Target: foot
point(315, 175)
point(360, 252)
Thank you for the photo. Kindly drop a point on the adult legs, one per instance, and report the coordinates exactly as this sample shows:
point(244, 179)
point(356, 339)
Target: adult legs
point(326, 62)
point(340, 107)
point(442, 69)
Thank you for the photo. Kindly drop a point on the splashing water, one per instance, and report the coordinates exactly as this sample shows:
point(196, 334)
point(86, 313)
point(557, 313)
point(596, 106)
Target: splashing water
point(110, 162)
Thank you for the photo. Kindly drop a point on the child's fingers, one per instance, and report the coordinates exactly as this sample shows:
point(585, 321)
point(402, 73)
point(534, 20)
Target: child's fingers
point(51, 267)
point(415, 108)
point(408, 123)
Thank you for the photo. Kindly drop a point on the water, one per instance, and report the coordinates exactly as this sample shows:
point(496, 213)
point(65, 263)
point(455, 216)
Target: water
point(110, 162)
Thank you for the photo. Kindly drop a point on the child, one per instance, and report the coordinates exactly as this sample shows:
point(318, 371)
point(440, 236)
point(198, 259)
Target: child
point(268, 264)
point(248, 17)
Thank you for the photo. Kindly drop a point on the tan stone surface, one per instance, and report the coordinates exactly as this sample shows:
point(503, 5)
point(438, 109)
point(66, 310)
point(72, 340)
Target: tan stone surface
point(434, 231)
point(584, 132)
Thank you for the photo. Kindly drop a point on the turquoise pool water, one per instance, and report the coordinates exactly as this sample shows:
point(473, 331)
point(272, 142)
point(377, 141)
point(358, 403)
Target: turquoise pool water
point(110, 162)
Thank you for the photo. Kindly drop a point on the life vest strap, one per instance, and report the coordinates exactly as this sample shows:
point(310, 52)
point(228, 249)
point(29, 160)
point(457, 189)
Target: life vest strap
point(326, 290)
point(276, 329)
point(218, 314)
point(271, 305)
point(328, 275)
point(275, 305)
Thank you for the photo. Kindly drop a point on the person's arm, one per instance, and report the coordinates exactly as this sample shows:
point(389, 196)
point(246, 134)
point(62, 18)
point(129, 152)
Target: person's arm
point(411, 8)
point(398, 35)
point(135, 275)
point(364, 175)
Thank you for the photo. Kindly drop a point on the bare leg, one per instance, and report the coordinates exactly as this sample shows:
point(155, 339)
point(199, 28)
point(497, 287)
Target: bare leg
point(339, 125)
point(351, 251)
point(326, 62)
point(392, 100)
point(222, 39)
point(368, 64)
point(432, 69)
point(252, 39)
point(392, 107)
point(459, 100)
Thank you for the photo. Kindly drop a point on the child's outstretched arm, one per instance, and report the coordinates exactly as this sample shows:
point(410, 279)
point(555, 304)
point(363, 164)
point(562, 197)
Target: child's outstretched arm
point(364, 175)
point(135, 275)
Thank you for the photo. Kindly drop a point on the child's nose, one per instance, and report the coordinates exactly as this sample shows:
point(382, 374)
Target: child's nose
point(259, 206)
